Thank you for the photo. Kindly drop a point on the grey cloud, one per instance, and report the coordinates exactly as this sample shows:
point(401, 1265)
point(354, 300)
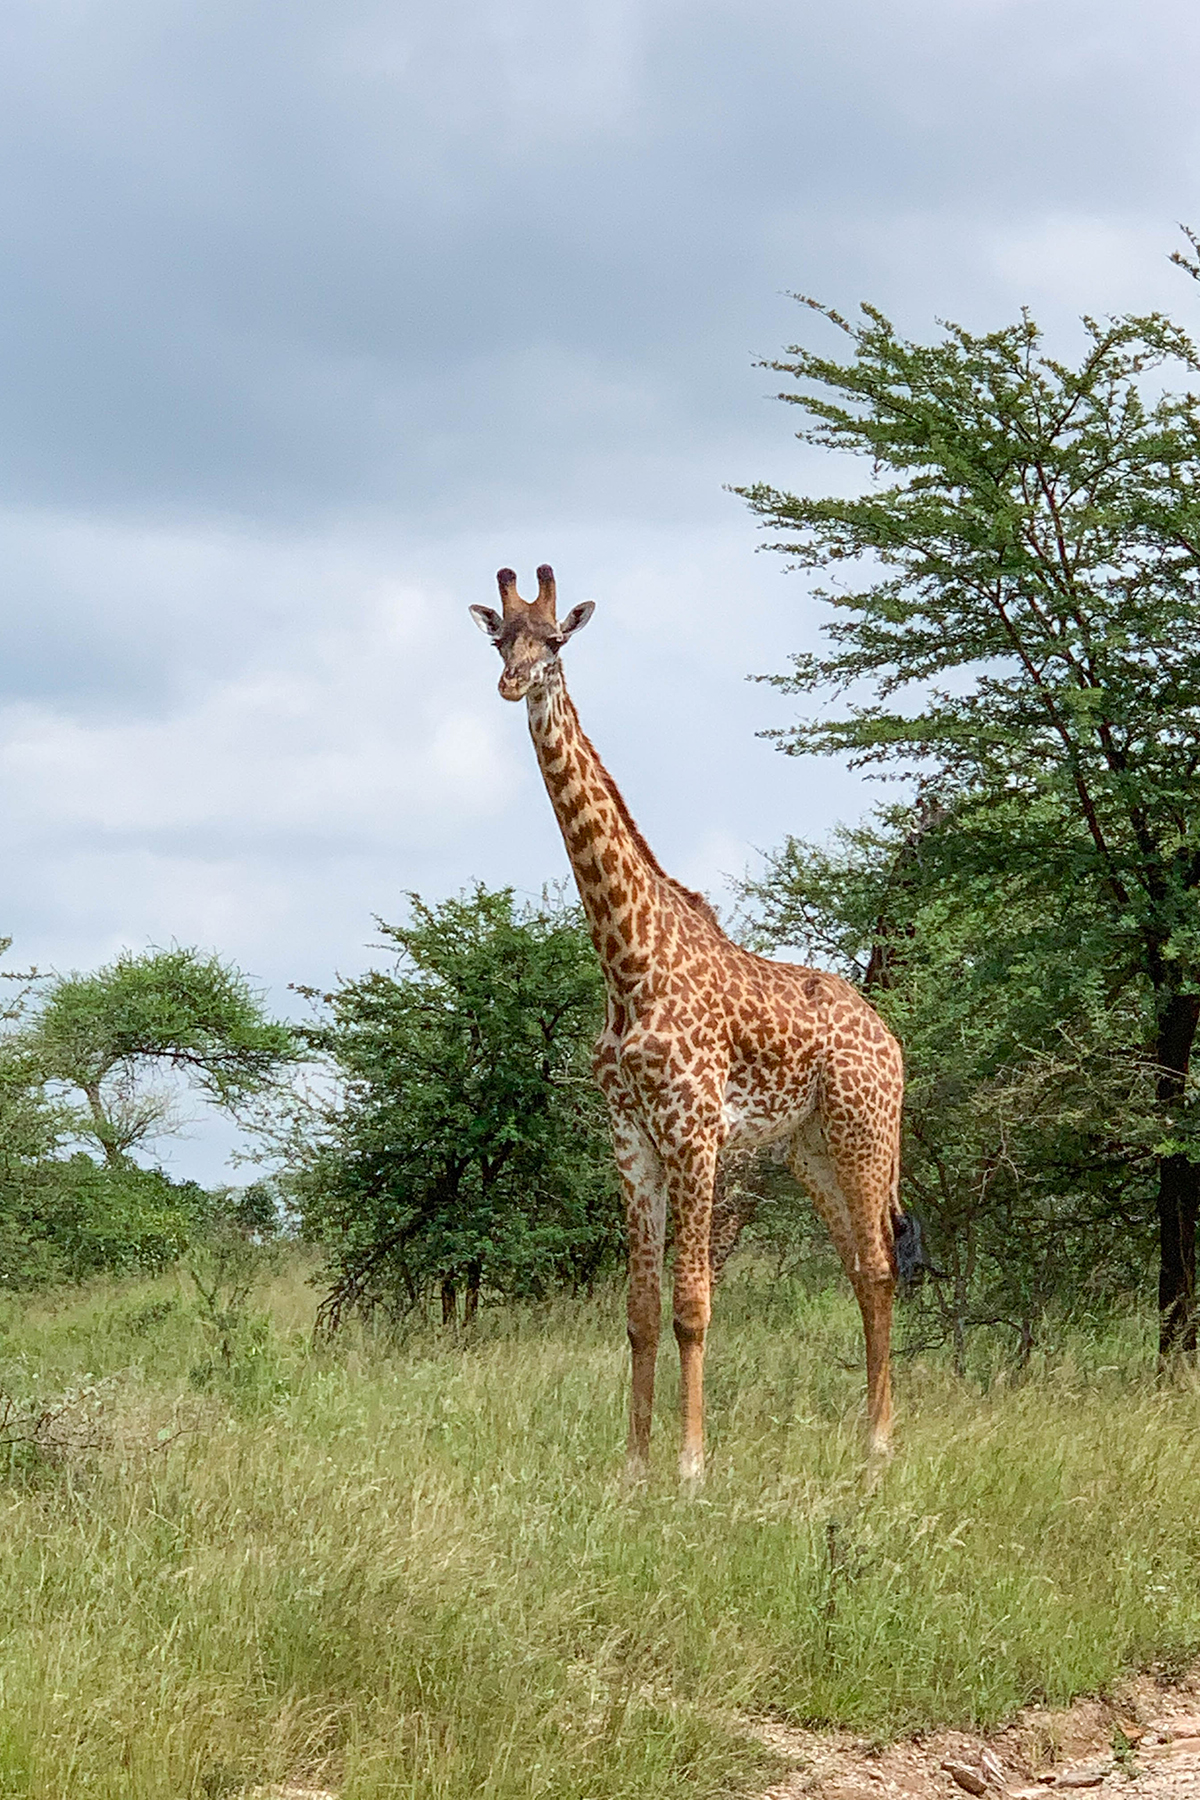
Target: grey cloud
point(383, 257)
point(310, 317)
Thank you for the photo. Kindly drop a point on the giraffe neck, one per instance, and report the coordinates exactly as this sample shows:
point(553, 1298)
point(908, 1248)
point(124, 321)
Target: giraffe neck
point(626, 895)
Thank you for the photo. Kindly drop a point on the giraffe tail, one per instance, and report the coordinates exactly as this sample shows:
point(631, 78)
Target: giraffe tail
point(913, 1263)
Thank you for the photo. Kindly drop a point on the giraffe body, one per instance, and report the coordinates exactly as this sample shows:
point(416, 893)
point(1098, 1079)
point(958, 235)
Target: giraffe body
point(706, 1048)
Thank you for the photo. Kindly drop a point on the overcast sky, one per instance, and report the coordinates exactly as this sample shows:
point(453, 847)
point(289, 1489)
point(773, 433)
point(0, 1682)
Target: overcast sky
point(313, 315)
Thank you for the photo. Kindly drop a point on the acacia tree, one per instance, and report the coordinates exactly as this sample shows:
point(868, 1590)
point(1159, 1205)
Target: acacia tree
point(105, 1034)
point(470, 1148)
point(1023, 611)
point(62, 1216)
point(1030, 1124)
point(29, 1136)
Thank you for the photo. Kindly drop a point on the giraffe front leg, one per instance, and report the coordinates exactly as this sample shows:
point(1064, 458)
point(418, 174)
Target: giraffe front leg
point(690, 1187)
point(645, 1212)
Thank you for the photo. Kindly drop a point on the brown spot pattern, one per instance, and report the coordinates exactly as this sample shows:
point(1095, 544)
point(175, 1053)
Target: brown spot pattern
point(707, 1048)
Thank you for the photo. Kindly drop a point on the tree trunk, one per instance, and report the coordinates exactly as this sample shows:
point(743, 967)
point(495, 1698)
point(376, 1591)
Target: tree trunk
point(103, 1126)
point(474, 1282)
point(1178, 1204)
point(449, 1302)
point(887, 952)
point(1178, 1185)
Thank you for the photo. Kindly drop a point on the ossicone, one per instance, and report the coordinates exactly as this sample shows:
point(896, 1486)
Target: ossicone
point(543, 610)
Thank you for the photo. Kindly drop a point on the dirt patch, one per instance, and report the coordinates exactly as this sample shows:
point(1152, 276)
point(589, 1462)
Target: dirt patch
point(1143, 1742)
point(288, 1791)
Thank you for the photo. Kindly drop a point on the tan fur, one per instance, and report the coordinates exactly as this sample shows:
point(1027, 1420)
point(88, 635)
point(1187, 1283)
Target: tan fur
point(707, 1048)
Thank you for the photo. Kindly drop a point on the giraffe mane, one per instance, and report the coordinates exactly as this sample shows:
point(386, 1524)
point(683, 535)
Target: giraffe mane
point(688, 895)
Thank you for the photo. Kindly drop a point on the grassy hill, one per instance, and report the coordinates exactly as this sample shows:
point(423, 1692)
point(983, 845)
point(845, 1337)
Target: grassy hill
point(411, 1569)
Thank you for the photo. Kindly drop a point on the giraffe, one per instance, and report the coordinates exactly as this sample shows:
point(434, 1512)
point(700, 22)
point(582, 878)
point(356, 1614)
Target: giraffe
point(706, 1048)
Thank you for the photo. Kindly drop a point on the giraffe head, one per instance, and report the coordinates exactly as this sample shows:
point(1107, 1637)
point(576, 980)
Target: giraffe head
point(527, 634)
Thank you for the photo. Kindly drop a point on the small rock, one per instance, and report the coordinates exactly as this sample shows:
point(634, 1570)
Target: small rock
point(992, 1767)
point(1090, 1775)
point(1177, 1728)
point(287, 1791)
point(972, 1779)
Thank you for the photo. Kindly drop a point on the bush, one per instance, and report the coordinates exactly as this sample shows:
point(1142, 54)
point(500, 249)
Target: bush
point(470, 1151)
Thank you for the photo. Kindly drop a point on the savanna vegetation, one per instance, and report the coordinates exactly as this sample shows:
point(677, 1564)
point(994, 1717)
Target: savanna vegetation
point(1013, 620)
point(403, 1562)
point(83, 1067)
point(467, 1147)
point(317, 1479)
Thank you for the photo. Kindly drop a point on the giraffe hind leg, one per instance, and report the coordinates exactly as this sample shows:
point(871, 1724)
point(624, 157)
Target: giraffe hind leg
point(853, 1194)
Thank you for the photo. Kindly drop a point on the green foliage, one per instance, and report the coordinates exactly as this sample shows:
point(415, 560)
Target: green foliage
point(30, 1173)
point(30, 1129)
point(1019, 599)
point(65, 1217)
point(1040, 541)
point(103, 1033)
point(1031, 1126)
point(257, 1210)
point(226, 1266)
point(116, 1219)
point(1043, 526)
point(470, 1149)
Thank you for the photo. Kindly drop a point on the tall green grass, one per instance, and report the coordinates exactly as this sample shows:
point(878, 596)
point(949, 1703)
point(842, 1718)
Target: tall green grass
point(413, 1569)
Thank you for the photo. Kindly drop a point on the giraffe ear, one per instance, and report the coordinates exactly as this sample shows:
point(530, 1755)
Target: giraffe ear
point(576, 619)
point(488, 621)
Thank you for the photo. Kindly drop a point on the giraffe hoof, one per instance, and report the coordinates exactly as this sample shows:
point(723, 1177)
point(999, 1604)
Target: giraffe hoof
point(636, 1472)
point(691, 1470)
point(879, 1455)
